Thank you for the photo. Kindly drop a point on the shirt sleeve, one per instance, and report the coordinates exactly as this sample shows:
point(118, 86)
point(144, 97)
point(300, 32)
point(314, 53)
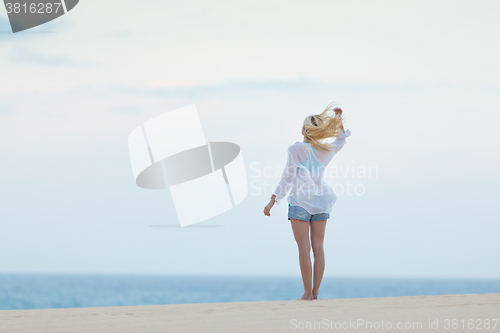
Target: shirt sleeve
point(340, 140)
point(289, 174)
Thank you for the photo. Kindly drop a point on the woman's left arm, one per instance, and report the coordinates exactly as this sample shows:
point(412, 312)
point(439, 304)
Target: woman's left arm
point(340, 139)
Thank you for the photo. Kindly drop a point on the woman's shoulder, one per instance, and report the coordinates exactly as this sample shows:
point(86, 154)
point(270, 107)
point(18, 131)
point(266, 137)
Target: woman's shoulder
point(299, 149)
point(299, 146)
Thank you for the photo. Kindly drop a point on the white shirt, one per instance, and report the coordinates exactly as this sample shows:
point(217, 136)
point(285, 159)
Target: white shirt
point(303, 173)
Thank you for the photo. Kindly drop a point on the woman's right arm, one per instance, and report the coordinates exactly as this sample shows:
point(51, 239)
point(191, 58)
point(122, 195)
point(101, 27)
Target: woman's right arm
point(287, 179)
point(288, 175)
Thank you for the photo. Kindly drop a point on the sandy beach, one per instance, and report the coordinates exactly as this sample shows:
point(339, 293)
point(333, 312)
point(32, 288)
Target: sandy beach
point(457, 313)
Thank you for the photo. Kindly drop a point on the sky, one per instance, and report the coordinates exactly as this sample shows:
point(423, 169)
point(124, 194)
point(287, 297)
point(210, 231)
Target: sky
point(417, 181)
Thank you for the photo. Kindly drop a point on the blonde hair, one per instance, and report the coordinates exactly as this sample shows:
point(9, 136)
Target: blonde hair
point(322, 126)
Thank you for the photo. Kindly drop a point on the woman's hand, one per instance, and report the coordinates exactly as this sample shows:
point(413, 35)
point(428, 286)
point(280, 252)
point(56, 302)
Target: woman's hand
point(267, 209)
point(338, 111)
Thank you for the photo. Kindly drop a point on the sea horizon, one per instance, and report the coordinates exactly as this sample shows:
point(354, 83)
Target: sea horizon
point(72, 290)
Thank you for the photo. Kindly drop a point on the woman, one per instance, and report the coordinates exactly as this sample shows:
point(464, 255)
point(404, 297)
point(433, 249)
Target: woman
point(311, 199)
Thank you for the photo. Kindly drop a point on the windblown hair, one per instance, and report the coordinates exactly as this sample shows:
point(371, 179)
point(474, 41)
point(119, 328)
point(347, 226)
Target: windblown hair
point(327, 124)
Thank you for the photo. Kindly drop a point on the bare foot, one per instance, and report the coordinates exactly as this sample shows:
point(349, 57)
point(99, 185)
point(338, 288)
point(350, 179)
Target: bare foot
point(315, 294)
point(306, 297)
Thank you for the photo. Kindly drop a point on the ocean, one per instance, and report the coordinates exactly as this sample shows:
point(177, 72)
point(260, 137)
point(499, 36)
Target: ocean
point(30, 291)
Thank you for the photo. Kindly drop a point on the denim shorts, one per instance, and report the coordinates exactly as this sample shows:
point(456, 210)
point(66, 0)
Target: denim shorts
point(299, 213)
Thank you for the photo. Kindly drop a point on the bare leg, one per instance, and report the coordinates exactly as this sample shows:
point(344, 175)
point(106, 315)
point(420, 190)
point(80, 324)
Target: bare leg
point(317, 237)
point(301, 234)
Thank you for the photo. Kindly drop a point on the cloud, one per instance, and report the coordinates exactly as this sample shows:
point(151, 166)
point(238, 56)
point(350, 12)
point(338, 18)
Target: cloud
point(388, 121)
point(23, 56)
point(193, 90)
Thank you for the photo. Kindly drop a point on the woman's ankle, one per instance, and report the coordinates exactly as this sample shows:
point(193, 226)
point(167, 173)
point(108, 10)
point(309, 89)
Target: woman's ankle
point(307, 296)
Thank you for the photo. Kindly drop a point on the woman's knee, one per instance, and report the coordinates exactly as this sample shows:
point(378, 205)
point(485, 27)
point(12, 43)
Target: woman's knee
point(304, 248)
point(317, 248)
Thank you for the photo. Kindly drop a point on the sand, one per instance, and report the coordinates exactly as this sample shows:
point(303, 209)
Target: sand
point(417, 313)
